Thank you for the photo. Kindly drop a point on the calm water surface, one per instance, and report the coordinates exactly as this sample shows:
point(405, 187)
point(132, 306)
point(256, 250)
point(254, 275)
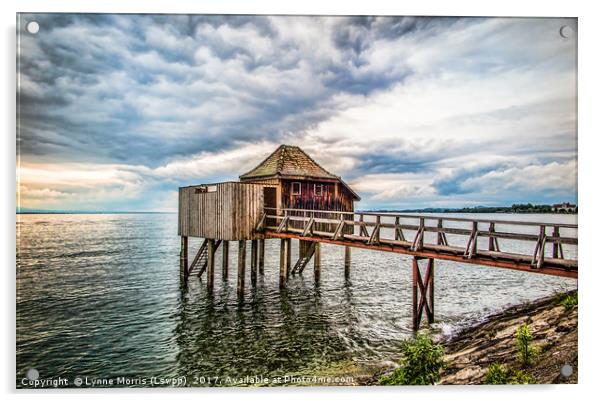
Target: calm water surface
point(100, 296)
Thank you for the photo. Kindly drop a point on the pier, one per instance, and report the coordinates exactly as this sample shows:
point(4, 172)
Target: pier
point(290, 197)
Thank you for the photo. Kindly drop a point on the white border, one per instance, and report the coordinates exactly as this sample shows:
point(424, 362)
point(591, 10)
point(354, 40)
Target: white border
point(590, 198)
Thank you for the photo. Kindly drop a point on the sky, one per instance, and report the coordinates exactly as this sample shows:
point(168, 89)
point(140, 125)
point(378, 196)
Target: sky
point(115, 112)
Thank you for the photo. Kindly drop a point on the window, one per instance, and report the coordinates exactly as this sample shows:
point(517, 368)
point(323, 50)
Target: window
point(318, 190)
point(205, 189)
point(296, 190)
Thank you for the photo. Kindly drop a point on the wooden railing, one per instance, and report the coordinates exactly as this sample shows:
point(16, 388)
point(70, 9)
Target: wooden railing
point(409, 233)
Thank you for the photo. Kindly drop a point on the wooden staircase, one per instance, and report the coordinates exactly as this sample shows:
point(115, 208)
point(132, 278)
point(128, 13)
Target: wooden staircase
point(304, 259)
point(199, 264)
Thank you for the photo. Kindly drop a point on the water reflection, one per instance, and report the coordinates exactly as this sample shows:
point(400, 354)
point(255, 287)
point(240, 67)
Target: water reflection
point(270, 334)
point(100, 295)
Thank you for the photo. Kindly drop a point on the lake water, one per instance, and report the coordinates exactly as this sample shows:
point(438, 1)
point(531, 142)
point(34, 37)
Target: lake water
point(100, 296)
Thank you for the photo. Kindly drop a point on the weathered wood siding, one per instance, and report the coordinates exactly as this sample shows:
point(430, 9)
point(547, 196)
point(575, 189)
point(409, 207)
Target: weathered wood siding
point(333, 198)
point(228, 213)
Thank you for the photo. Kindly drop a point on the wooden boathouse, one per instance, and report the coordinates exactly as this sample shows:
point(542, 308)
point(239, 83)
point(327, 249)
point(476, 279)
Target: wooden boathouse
point(290, 196)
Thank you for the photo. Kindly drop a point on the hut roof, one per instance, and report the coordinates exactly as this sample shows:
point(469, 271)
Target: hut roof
point(291, 162)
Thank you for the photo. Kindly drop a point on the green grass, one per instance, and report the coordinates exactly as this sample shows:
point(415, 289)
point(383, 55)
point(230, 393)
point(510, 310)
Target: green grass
point(521, 377)
point(527, 353)
point(497, 374)
point(568, 301)
point(421, 364)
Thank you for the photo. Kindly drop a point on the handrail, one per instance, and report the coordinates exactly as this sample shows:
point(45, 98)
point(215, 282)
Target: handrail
point(285, 220)
point(433, 217)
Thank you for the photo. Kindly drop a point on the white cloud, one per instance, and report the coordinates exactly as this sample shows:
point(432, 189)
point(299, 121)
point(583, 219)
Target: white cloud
point(554, 176)
point(390, 187)
point(206, 164)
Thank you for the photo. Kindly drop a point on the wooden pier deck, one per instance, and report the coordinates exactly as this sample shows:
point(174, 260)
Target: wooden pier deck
point(452, 239)
point(369, 231)
point(545, 248)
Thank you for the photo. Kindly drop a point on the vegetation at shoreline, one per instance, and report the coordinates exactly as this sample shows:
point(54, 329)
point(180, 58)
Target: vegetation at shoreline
point(423, 361)
point(498, 373)
point(526, 352)
point(514, 209)
point(421, 364)
point(568, 300)
point(527, 344)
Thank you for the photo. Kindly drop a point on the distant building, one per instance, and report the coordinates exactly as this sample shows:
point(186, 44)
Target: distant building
point(564, 207)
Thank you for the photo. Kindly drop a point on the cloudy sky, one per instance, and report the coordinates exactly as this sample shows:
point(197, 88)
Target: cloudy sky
point(118, 111)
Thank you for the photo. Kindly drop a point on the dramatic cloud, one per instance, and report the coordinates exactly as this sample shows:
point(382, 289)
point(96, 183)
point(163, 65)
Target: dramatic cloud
point(117, 111)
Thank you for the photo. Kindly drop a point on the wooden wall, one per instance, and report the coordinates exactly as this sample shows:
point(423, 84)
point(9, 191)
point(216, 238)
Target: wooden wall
point(228, 213)
point(334, 196)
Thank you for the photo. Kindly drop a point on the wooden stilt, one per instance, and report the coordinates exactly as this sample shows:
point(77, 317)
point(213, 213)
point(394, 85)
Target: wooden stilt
point(184, 257)
point(431, 288)
point(210, 263)
point(261, 257)
point(283, 273)
point(415, 273)
point(242, 257)
point(225, 257)
point(288, 256)
point(427, 292)
point(317, 261)
point(347, 262)
point(254, 262)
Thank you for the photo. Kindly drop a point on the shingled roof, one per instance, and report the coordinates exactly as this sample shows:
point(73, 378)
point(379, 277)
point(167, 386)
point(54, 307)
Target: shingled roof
point(289, 161)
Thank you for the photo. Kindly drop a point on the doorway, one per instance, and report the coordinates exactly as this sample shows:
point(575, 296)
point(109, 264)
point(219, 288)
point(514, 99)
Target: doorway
point(269, 201)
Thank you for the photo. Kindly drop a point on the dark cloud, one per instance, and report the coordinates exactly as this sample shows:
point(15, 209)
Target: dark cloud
point(71, 65)
point(455, 183)
point(386, 161)
point(395, 27)
point(352, 81)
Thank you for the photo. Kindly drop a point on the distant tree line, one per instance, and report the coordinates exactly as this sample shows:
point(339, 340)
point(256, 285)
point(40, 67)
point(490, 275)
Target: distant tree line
point(515, 209)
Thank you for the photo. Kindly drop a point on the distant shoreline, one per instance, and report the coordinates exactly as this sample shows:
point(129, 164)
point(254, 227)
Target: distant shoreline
point(514, 209)
point(429, 211)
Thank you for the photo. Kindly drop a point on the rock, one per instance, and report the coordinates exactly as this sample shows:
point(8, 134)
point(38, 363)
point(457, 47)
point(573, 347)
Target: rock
point(471, 352)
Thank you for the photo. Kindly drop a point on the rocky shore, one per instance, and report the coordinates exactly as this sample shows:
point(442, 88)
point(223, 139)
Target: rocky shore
point(469, 353)
point(554, 330)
